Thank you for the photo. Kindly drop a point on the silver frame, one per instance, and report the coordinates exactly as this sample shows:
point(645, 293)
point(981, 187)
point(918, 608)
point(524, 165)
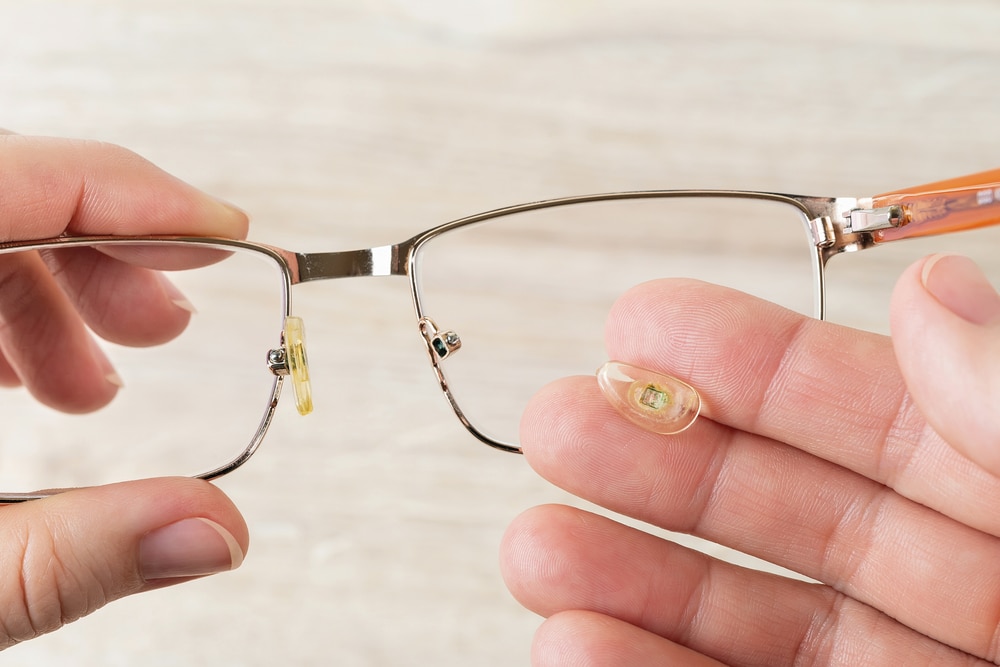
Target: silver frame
point(826, 223)
point(822, 216)
point(284, 260)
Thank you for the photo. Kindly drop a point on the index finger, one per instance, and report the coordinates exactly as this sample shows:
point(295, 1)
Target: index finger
point(51, 187)
point(56, 186)
point(831, 391)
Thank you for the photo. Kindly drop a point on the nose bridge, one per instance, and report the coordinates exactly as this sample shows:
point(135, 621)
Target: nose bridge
point(387, 260)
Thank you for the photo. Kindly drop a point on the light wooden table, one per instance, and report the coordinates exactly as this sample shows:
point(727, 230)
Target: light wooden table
point(347, 123)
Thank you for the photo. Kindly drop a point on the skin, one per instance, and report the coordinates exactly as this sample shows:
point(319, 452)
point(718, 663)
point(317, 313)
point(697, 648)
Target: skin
point(867, 464)
point(67, 555)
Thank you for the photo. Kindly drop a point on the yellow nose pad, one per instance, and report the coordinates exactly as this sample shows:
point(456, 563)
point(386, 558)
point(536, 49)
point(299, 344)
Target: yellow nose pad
point(298, 365)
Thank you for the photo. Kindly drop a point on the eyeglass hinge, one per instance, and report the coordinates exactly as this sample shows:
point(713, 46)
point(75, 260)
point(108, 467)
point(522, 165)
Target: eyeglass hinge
point(869, 219)
point(822, 232)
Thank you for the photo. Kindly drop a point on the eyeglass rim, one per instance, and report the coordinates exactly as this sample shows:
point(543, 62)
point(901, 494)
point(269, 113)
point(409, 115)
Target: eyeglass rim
point(808, 207)
point(807, 204)
point(823, 214)
point(405, 259)
point(280, 258)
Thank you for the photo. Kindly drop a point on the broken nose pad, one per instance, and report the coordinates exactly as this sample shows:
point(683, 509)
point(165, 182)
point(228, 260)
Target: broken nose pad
point(440, 344)
point(290, 359)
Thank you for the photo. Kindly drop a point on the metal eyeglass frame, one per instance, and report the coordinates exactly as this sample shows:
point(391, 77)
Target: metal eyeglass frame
point(834, 225)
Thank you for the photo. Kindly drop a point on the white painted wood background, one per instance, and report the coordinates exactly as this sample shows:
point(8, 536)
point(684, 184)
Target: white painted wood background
point(349, 123)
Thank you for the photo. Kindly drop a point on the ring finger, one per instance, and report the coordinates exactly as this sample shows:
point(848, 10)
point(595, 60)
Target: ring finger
point(559, 558)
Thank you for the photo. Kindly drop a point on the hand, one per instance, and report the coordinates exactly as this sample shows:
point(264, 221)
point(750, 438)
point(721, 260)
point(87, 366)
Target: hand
point(872, 471)
point(67, 555)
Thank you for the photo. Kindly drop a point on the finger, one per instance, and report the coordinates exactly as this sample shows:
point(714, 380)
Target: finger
point(124, 304)
point(829, 390)
point(946, 332)
point(166, 257)
point(45, 343)
point(777, 503)
point(588, 638)
point(8, 376)
point(63, 557)
point(56, 186)
point(558, 558)
point(52, 187)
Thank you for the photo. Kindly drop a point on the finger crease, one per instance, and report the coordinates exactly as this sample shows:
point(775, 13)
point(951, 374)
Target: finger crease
point(819, 638)
point(776, 376)
point(712, 479)
point(694, 606)
point(19, 623)
point(896, 451)
point(993, 649)
point(856, 526)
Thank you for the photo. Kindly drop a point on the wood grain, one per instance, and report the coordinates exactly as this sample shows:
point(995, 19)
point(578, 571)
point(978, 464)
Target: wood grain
point(350, 123)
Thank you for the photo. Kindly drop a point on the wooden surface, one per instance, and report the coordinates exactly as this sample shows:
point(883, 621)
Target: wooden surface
point(343, 124)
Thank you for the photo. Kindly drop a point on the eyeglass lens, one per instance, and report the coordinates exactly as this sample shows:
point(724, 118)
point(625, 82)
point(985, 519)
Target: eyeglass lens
point(529, 294)
point(185, 331)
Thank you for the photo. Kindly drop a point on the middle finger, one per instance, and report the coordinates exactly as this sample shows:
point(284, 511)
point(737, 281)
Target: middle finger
point(828, 390)
point(776, 502)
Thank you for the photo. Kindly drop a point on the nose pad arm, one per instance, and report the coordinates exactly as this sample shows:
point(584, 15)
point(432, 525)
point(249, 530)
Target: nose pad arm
point(440, 344)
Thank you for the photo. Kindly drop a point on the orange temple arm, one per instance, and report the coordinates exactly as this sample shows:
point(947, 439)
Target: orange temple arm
point(953, 205)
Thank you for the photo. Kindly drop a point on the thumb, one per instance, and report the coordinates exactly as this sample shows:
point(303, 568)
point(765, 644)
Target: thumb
point(67, 555)
point(946, 333)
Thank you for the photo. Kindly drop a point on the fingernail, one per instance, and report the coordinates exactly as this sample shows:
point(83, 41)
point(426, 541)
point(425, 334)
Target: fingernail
point(657, 402)
point(229, 205)
point(176, 296)
point(184, 304)
point(233, 209)
point(188, 548)
point(102, 359)
point(961, 287)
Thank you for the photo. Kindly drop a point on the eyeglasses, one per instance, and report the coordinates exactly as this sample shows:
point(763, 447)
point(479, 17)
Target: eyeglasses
point(505, 302)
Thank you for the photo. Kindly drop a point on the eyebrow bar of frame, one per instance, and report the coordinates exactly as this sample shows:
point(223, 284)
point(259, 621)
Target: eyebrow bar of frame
point(380, 261)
